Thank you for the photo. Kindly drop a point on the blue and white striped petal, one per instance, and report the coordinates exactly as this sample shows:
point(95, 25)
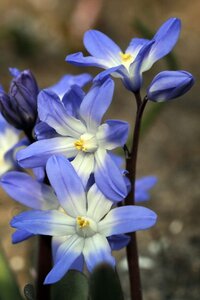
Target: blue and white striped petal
point(98, 204)
point(165, 39)
point(84, 163)
point(127, 219)
point(67, 185)
point(66, 254)
point(28, 191)
point(101, 46)
point(52, 111)
point(96, 251)
point(72, 100)
point(112, 134)
point(96, 103)
point(45, 222)
point(37, 154)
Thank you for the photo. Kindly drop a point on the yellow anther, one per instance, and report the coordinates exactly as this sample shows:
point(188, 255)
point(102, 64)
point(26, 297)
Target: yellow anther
point(82, 222)
point(125, 57)
point(79, 144)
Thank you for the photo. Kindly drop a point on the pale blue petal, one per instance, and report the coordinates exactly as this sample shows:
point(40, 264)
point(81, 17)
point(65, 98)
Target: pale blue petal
point(37, 154)
point(28, 191)
point(45, 222)
point(83, 163)
point(51, 110)
point(127, 219)
point(20, 236)
point(72, 100)
point(98, 204)
point(78, 59)
point(142, 187)
point(67, 185)
point(78, 264)
point(165, 39)
point(66, 254)
point(112, 134)
point(135, 46)
point(66, 81)
point(101, 46)
point(108, 177)
point(96, 251)
point(96, 103)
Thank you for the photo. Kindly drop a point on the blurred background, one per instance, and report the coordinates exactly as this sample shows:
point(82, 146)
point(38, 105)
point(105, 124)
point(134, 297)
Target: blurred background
point(38, 35)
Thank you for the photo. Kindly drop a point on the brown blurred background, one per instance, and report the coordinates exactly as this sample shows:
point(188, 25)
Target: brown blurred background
point(38, 35)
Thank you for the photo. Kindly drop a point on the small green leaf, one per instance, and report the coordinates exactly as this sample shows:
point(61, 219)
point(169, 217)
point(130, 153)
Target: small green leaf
point(104, 284)
point(74, 286)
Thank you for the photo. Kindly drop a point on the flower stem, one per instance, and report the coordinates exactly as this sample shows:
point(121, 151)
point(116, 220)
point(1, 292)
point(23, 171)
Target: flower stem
point(44, 266)
point(132, 253)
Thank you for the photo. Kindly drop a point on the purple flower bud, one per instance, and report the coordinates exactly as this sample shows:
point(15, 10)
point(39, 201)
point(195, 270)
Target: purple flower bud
point(168, 85)
point(19, 106)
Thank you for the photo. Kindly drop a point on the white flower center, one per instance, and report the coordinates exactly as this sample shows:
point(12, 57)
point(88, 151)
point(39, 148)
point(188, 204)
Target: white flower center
point(126, 59)
point(85, 227)
point(87, 143)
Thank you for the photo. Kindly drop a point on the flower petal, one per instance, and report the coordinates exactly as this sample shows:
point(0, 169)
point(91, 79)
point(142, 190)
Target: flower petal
point(52, 111)
point(96, 251)
point(83, 163)
point(67, 185)
point(142, 187)
point(127, 219)
point(72, 100)
point(98, 204)
point(37, 154)
point(112, 134)
point(108, 177)
point(28, 191)
point(78, 59)
point(66, 254)
point(96, 103)
point(48, 222)
point(101, 46)
point(66, 81)
point(20, 236)
point(135, 46)
point(43, 131)
point(165, 39)
point(119, 241)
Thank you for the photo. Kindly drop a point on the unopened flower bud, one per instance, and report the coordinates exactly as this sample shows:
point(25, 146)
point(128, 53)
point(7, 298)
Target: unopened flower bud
point(168, 85)
point(19, 106)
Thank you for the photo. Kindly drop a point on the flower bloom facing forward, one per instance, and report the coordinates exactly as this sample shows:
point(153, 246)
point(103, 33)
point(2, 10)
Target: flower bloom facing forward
point(78, 134)
point(139, 57)
point(168, 85)
point(83, 221)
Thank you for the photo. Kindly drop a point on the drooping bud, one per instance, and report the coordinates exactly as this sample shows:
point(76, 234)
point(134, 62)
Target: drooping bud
point(19, 106)
point(168, 85)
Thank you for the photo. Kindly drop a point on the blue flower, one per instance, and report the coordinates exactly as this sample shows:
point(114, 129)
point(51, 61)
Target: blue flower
point(142, 187)
point(83, 221)
point(9, 142)
point(28, 191)
point(168, 85)
point(139, 57)
point(19, 106)
point(78, 133)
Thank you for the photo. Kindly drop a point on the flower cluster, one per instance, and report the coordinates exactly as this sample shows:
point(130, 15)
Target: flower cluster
point(77, 195)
